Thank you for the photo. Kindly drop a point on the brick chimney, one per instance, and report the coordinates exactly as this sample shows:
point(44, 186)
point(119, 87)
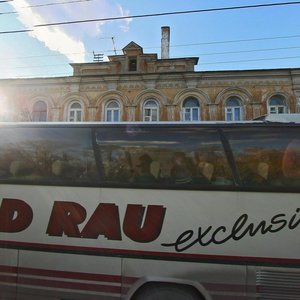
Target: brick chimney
point(165, 42)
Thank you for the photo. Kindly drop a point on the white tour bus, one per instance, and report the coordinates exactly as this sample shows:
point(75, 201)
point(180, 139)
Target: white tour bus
point(150, 211)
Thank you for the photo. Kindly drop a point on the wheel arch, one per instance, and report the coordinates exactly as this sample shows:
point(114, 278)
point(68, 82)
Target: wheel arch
point(144, 282)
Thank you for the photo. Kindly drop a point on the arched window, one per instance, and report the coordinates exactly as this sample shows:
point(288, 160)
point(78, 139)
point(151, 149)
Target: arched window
point(112, 111)
point(233, 109)
point(75, 113)
point(277, 105)
point(191, 110)
point(150, 111)
point(39, 112)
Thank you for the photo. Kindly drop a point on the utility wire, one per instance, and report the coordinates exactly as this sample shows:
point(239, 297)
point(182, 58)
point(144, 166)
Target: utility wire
point(187, 45)
point(248, 60)
point(199, 64)
point(58, 3)
point(170, 13)
point(4, 1)
point(155, 15)
point(244, 51)
point(16, 31)
point(239, 41)
point(189, 55)
point(46, 4)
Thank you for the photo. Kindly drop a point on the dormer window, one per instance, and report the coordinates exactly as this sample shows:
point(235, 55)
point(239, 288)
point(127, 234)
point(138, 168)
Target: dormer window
point(132, 64)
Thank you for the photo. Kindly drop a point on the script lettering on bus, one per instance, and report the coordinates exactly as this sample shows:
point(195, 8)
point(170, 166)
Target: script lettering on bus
point(140, 224)
point(240, 229)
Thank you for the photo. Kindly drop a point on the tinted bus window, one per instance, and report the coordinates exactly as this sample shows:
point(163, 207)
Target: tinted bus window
point(164, 156)
point(47, 155)
point(266, 156)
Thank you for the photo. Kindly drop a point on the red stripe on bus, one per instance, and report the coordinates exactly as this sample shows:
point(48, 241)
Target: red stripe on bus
point(68, 274)
point(60, 284)
point(69, 285)
point(230, 297)
point(145, 254)
point(15, 277)
point(8, 279)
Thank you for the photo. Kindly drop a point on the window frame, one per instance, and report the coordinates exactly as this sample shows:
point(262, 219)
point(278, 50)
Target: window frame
point(132, 64)
point(112, 110)
point(150, 111)
point(275, 108)
point(38, 114)
point(75, 111)
point(233, 110)
point(188, 111)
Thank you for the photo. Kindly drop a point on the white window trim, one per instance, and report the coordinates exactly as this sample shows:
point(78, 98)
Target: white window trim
point(275, 107)
point(231, 110)
point(39, 112)
point(149, 117)
point(75, 111)
point(112, 110)
point(191, 109)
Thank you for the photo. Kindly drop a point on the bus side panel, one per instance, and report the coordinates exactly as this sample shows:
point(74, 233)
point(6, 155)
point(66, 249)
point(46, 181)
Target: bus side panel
point(205, 235)
point(213, 281)
point(46, 275)
point(70, 235)
point(60, 254)
point(8, 273)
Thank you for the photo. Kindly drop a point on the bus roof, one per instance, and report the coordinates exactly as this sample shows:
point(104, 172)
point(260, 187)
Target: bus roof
point(280, 118)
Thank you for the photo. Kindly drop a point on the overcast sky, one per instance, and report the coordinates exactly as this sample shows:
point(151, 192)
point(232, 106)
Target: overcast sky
point(252, 38)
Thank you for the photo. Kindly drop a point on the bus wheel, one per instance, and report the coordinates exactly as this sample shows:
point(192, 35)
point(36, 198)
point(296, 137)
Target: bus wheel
point(168, 291)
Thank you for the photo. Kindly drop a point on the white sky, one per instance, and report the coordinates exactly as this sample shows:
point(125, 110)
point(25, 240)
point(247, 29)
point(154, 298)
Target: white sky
point(225, 40)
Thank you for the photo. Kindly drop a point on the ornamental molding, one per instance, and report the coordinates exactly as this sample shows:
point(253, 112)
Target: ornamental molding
point(92, 87)
point(41, 97)
point(131, 86)
point(150, 94)
point(242, 82)
point(44, 89)
point(242, 93)
point(191, 92)
point(67, 99)
point(171, 84)
point(112, 95)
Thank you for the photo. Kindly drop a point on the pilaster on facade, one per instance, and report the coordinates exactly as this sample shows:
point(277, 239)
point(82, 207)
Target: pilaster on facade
point(256, 109)
point(213, 112)
point(171, 112)
point(131, 109)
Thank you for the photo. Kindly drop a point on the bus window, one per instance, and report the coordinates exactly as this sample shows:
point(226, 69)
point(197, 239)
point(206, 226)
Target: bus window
point(261, 154)
point(47, 155)
point(162, 157)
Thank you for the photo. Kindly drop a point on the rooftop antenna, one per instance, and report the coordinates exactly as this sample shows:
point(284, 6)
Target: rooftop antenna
point(98, 57)
point(114, 46)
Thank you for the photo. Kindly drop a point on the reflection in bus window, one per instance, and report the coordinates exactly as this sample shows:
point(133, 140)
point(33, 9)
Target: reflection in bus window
point(291, 162)
point(49, 155)
point(264, 157)
point(176, 156)
point(119, 166)
point(143, 172)
point(182, 170)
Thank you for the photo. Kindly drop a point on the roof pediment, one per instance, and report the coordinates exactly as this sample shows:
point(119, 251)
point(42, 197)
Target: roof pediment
point(132, 48)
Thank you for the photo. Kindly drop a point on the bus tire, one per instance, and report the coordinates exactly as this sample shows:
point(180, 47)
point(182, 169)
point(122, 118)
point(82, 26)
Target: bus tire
point(167, 291)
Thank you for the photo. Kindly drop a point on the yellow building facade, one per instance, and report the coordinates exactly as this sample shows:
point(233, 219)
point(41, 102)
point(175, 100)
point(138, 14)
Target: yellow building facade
point(138, 86)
